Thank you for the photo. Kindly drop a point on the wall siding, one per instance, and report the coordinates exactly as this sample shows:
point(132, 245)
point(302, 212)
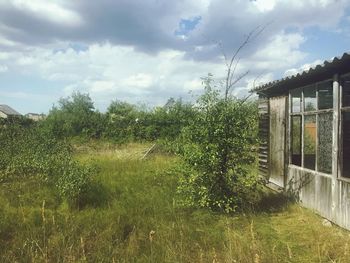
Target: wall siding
point(327, 196)
point(263, 105)
point(277, 140)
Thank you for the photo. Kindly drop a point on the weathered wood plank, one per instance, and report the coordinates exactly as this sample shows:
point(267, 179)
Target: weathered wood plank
point(263, 153)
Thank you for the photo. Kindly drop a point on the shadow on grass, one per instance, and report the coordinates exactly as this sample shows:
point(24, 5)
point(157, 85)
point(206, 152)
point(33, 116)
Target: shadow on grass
point(271, 201)
point(97, 195)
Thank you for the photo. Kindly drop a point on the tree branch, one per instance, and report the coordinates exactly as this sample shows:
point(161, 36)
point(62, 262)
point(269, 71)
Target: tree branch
point(231, 67)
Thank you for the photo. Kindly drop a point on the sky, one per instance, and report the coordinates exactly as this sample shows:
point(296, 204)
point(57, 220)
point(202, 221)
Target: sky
point(146, 51)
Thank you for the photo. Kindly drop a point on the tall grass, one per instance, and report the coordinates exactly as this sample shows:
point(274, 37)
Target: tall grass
point(134, 217)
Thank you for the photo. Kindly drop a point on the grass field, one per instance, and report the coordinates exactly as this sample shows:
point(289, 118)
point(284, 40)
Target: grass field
point(133, 216)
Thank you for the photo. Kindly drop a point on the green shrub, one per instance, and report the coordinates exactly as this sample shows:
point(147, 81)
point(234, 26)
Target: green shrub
point(29, 152)
point(219, 147)
point(75, 116)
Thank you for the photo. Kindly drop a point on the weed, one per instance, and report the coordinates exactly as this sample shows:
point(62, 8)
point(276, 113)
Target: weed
point(139, 220)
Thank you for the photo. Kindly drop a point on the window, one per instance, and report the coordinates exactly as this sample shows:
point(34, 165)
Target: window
point(296, 142)
point(312, 126)
point(325, 133)
point(310, 141)
point(345, 124)
point(310, 98)
point(325, 95)
point(346, 144)
point(296, 100)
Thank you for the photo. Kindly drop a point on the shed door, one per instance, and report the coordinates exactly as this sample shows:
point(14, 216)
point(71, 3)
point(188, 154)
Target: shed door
point(277, 139)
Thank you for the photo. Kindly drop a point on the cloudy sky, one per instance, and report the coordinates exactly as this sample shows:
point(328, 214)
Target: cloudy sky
point(145, 51)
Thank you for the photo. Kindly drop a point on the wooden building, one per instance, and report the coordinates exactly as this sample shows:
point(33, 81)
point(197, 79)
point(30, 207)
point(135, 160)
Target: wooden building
point(305, 137)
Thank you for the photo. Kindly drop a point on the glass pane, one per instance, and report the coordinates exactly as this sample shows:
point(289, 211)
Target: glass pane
point(325, 131)
point(346, 144)
point(296, 140)
point(296, 100)
point(310, 98)
point(325, 95)
point(310, 142)
point(346, 92)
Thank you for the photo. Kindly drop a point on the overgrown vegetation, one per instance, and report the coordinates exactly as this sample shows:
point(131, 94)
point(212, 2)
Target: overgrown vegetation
point(27, 153)
point(219, 149)
point(76, 117)
point(74, 188)
point(137, 219)
point(210, 135)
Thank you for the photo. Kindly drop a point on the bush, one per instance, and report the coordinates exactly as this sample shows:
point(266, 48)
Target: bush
point(128, 122)
point(74, 116)
point(29, 152)
point(219, 148)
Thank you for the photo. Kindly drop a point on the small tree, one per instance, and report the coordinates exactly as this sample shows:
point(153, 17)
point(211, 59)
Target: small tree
point(221, 151)
point(121, 119)
point(220, 144)
point(74, 116)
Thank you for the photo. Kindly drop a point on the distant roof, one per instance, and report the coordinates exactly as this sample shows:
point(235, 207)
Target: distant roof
point(8, 110)
point(36, 114)
point(323, 71)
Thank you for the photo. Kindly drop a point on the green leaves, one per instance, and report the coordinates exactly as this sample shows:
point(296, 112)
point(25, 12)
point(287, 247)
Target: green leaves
point(75, 116)
point(219, 147)
point(29, 152)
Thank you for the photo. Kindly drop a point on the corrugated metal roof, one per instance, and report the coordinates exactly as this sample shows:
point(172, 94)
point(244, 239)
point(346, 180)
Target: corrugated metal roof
point(8, 110)
point(335, 65)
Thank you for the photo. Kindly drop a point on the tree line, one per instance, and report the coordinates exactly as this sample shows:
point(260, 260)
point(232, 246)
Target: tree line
point(215, 137)
point(76, 116)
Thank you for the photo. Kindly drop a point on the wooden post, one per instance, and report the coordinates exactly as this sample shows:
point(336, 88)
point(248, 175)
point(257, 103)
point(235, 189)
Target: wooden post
point(148, 151)
point(336, 110)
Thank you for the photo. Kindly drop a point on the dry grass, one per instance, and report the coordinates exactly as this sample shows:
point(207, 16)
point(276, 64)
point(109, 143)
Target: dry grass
point(136, 219)
point(131, 151)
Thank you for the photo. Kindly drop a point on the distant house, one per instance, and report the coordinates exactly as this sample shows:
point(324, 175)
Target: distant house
point(6, 111)
point(305, 137)
point(35, 116)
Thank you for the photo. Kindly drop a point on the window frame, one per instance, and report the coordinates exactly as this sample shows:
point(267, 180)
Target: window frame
point(304, 113)
point(340, 133)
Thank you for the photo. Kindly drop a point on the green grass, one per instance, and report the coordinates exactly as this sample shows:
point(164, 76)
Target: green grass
point(133, 216)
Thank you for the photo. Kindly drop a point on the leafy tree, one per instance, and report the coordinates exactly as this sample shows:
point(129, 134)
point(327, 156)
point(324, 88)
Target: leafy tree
point(130, 122)
point(219, 145)
point(121, 119)
point(220, 150)
point(74, 116)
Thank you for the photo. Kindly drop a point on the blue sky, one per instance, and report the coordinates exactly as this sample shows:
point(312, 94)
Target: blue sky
point(147, 51)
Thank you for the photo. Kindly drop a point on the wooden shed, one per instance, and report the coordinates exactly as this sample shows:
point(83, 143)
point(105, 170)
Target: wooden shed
point(305, 137)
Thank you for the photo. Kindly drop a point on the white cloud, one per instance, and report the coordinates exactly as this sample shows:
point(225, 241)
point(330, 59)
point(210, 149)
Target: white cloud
point(259, 80)
point(282, 50)
point(102, 86)
point(111, 72)
point(51, 11)
point(305, 67)
point(6, 42)
point(128, 49)
point(139, 80)
point(4, 55)
point(193, 85)
point(25, 61)
point(3, 68)
point(108, 72)
point(265, 5)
